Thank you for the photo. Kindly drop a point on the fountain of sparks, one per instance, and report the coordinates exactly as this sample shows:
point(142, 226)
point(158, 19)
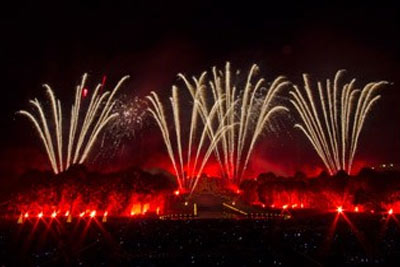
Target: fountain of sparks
point(232, 122)
point(333, 123)
point(201, 139)
point(83, 131)
point(249, 108)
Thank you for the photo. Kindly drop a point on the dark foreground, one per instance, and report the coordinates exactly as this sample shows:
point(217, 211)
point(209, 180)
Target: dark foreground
point(307, 241)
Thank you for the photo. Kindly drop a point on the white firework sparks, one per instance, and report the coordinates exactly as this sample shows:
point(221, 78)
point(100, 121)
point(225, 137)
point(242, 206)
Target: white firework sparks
point(334, 128)
point(232, 123)
point(132, 116)
point(201, 143)
point(249, 108)
point(83, 132)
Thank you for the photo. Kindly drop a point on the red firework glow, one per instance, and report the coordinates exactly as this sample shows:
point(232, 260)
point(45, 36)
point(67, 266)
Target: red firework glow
point(85, 92)
point(138, 205)
point(93, 213)
point(82, 194)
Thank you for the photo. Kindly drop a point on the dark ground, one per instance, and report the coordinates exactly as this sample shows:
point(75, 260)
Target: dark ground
point(301, 241)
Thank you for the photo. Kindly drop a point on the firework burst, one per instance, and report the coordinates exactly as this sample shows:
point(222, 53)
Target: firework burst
point(132, 116)
point(334, 122)
point(230, 123)
point(250, 108)
point(83, 131)
point(201, 139)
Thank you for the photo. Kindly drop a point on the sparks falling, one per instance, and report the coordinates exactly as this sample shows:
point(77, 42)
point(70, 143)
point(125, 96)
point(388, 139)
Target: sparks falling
point(334, 128)
point(132, 116)
point(232, 123)
point(251, 108)
point(83, 131)
point(188, 166)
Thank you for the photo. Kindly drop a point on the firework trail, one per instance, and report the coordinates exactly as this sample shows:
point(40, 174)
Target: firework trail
point(250, 109)
point(83, 132)
point(333, 123)
point(230, 124)
point(201, 140)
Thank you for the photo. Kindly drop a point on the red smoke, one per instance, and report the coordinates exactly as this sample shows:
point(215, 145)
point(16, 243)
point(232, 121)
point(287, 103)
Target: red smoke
point(114, 204)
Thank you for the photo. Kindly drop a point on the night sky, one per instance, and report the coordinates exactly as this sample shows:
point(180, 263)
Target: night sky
point(52, 43)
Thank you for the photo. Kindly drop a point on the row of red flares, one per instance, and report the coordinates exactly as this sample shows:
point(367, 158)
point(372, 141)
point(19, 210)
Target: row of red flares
point(67, 214)
point(136, 210)
point(357, 209)
point(87, 213)
point(94, 213)
point(339, 209)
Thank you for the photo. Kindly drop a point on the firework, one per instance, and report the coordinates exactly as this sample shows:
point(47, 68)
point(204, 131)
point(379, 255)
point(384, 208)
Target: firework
point(334, 122)
point(83, 132)
point(230, 124)
point(132, 116)
point(188, 166)
point(249, 108)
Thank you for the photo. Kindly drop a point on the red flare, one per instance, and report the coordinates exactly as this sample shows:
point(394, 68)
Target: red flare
point(85, 92)
point(92, 214)
point(103, 81)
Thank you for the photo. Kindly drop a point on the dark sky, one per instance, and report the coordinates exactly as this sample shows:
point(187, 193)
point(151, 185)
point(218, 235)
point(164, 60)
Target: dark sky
point(55, 43)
